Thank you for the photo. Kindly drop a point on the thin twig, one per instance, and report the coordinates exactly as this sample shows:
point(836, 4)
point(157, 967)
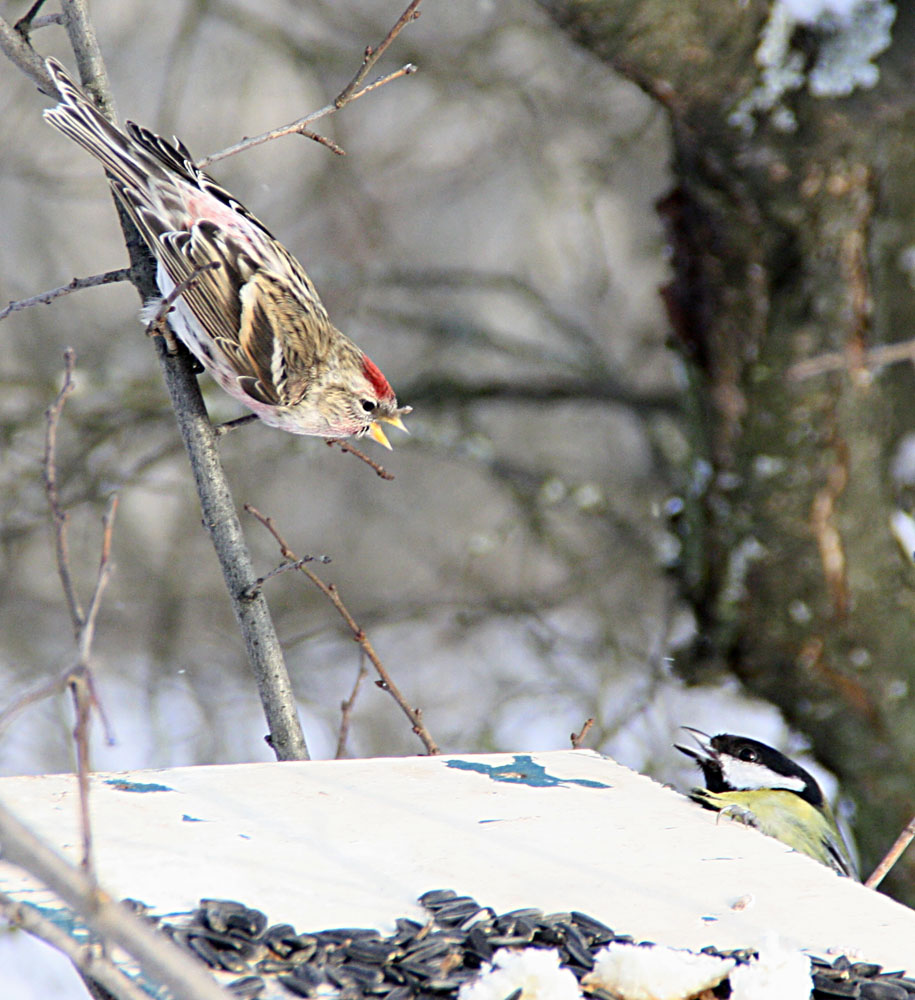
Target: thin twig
point(121, 274)
point(408, 69)
point(82, 705)
point(262, 645)
point(83, 41)
point(44, 690)
point(346, 709)
point(255, 587)
point(219, 516)
point(892, 855)
point(86, 958)
point(299, 126)
point(105, 567)
point(83, 622)
point(578, 738)
point(231, 425)
point(59, 515)
point(372, 55)
point(30, 21)
point(345, 447)
point(18, 50)
point(330, 592)
point(156, 326)
point(323, 141)
point(23, 23)
point(45, 21)
point(99, 709)
point(79, 679)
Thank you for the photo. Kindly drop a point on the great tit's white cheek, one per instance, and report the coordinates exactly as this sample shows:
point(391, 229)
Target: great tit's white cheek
point(746, 775)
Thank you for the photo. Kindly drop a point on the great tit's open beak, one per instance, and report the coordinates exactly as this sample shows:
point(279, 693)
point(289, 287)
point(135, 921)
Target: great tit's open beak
point(377, 434)
point(703, 740)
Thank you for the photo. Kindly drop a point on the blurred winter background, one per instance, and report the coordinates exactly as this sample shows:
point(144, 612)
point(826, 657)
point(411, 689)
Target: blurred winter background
point(491, 240)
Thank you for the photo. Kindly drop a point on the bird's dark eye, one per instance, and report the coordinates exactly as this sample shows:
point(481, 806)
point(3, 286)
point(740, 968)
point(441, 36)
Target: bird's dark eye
point(748, 754)
point(368, 405)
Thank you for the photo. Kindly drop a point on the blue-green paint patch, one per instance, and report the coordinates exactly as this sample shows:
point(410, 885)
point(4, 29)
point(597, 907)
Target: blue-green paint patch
point(136, 786)
point(191, 819)
point(523, 771)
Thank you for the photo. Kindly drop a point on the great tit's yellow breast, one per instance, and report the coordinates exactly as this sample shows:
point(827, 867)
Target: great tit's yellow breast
point(780, 814)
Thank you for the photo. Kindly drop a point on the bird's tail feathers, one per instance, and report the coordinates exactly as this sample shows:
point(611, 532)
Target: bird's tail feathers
point(81, 121)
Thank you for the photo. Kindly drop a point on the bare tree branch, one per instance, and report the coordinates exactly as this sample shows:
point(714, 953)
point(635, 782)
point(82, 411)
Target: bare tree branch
point(323, 141)
point(159, 958)
point(121, 274)
point(285, 568)
point(251, 611)
point(347, 447)
point(892, 855)
point(408, 69)
point(249, 606)
point(231, 425)
point(578, 738)
point(332, 594)
point(18, 50)
point(300, 125)
point(83, 622)
point(58, 514)
point(79, 679)
point(351, 92)
point(29, 23)
point(157, 325)
point(82, 705)
point(372, 55)
point(25, 23)
point(92, 71)
point(86, 958)
point(346, 709)
point(220, 518)
point(44, 690)
point(87, 632)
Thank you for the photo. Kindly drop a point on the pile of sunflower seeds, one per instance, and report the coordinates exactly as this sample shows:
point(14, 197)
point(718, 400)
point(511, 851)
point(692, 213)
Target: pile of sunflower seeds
point(843, 978)
point(432, 960)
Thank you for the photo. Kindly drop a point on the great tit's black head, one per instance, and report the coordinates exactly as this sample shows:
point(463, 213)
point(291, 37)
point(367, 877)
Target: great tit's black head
point(736, 763)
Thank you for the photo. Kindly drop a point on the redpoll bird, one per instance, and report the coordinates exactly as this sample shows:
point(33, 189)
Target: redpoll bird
point(254, 321)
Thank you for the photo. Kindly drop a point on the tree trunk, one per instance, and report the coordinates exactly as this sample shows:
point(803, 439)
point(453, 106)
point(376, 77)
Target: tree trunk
point(789, 253)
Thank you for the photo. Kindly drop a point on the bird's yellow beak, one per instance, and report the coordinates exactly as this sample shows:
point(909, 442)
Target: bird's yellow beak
point(395, 421)
point(377, 434)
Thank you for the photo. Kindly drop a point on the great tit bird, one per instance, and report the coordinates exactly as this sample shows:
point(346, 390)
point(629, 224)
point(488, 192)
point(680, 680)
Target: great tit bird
point(750, 781)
